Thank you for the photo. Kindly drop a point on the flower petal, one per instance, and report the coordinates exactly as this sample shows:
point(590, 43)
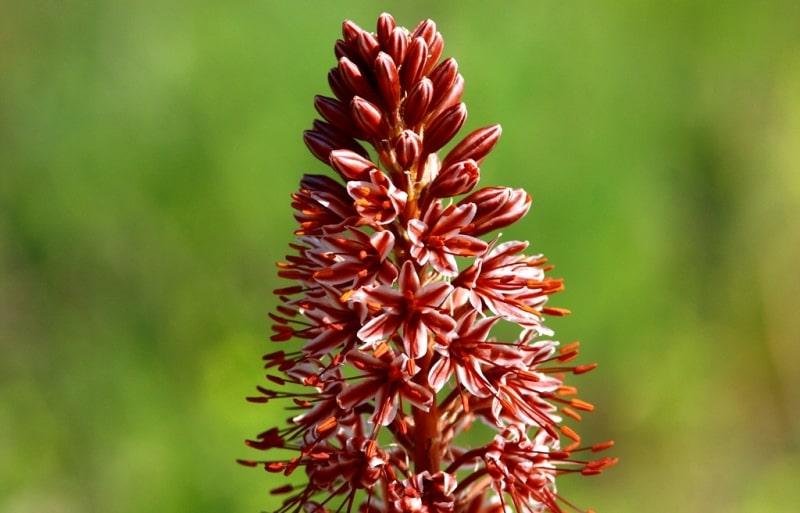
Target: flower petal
point(439, 373)
point(415, 338)
point(379, 328)
point(434, 293)
point(408, 280)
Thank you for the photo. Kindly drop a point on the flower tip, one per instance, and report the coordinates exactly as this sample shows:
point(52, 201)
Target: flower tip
point(474, 146)
point(581, 369)
point(386, 18)
point(425, 29)
point(350, 30)
point(581, 405)
point(602, 446)
point(554, 311)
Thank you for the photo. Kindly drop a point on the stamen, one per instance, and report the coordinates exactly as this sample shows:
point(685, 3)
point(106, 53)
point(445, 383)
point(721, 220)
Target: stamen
point(602, 446)
point(580, 369)
point(569, 348)
point(558, 312)
point(566, 430)
point(581, 405)
point(565, 390)
point(282, 489)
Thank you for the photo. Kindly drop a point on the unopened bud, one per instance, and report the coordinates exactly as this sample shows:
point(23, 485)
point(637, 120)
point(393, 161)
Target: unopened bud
point(455, 179)
point(414, 63)
point(498, 207)
point(351, 165)
point(444, 127)
point(367, 116)
point(407, 149)
point(475, 146)
point(417, 102)
point(388, 80)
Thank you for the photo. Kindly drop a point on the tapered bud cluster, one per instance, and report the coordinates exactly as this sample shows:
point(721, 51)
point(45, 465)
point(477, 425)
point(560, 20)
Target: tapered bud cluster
point(393, 299)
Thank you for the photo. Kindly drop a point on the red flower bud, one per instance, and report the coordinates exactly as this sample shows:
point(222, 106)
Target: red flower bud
point(407, 149)
point(435, 48)
point(367, 116)
point(355, 80)
point(368, 46)
point(398, 45)
point(425, 29)
point(443, 128)
point(455, 179)
point(498, 207)
point(350, 31)
point(388, 80)
point(417, 102)
point(443, 77)
point(475, 146)
point(335, 113)
point(338, 86)
point(386, 26)
point(414, 63)
point(351, 165)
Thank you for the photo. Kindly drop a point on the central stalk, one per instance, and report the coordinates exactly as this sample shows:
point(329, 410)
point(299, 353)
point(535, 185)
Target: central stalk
point(427, 450)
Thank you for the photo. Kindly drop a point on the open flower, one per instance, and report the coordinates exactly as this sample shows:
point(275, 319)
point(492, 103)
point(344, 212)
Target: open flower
point(424, 493)
point(393, 299)
point(411, 307)
point(437, 237)
point(377, 200)
point(384, 382)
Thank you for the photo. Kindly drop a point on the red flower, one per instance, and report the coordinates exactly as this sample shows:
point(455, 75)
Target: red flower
point(384, 382)
point(510, 285)
point(497, 207)
point(423, 493)
point(377, 200)
point(466, 353)
point(393, 301)
point(411, 307)
point(356, 259)
point(437, 237)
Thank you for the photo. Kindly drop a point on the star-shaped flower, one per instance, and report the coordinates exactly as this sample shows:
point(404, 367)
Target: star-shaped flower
point(410, 307)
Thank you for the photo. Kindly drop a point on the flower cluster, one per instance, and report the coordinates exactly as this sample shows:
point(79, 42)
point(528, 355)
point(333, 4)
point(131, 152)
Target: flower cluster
point(395, 294)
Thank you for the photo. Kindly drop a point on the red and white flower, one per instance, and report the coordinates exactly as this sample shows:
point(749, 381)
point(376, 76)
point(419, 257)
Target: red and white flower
point(393, 299)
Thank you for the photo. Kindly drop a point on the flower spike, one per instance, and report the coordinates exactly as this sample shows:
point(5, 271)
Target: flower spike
point(393, 298)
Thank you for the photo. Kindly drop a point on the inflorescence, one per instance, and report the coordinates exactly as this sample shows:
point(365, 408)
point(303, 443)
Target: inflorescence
point(395, 294)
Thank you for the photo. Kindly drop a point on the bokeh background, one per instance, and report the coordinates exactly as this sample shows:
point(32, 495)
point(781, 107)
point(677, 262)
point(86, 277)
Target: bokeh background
point(147, 154)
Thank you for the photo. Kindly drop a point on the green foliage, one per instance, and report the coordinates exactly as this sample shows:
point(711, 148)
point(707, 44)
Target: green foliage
point(147, 154)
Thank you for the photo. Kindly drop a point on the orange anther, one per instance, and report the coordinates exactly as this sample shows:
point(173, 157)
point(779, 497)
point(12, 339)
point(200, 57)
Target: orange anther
point(569, 347)
point(602, 446)
point(570, 433)
point(580, 369)
point(326, 425)
point(566, 390)
point(581, 405)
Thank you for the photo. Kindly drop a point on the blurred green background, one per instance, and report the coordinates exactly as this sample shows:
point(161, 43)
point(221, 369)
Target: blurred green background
point(147, 154)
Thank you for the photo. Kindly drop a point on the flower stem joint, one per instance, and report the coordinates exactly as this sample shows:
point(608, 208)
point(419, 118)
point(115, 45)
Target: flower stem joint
point(395, 294)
